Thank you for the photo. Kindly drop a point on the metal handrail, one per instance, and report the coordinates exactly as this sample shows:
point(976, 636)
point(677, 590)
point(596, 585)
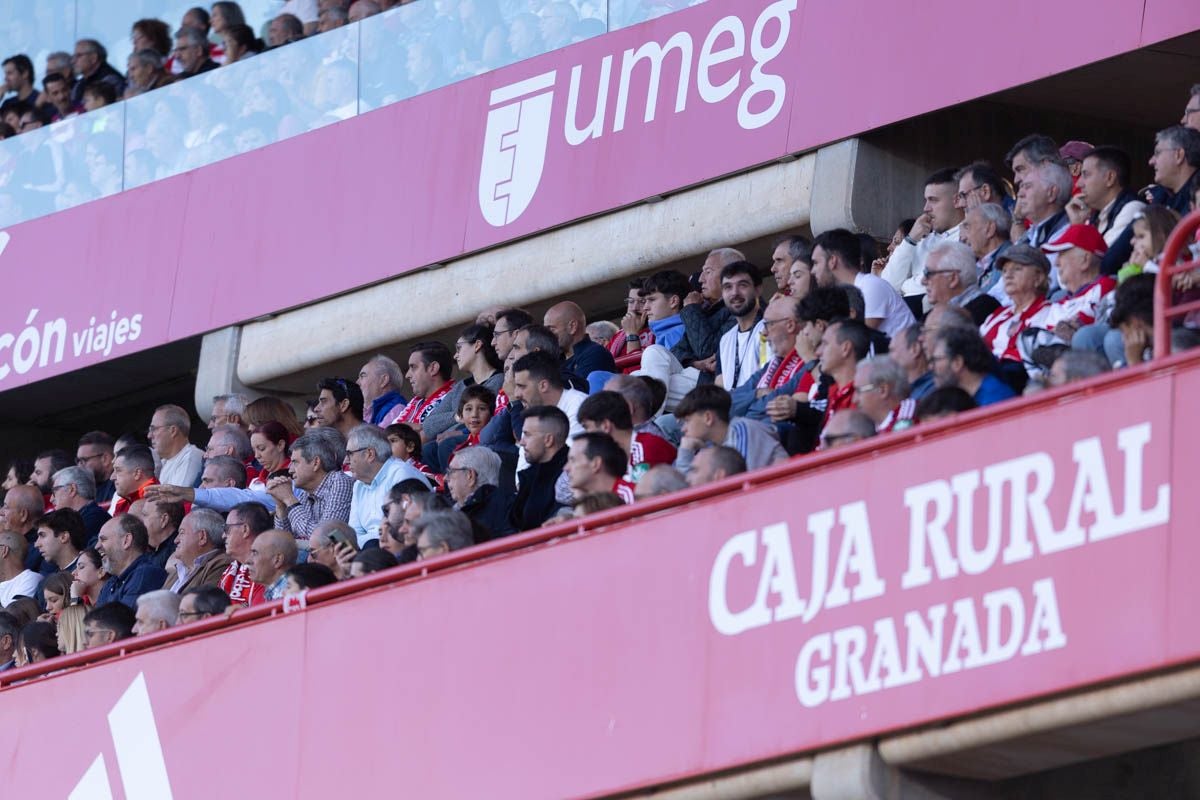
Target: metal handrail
point(1165, 308)
point(596, 524)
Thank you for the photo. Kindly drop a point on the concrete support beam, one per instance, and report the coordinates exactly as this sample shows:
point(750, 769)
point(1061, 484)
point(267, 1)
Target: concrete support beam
point(217, 370)
point(861, 187)
point(557, 263)
point(858, 773)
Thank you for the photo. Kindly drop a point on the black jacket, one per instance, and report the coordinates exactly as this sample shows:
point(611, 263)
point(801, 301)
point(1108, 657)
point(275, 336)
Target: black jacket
point(588, 357)
point(105, 74)
point(1120, 251)
point(535, 502)
point(489, 508)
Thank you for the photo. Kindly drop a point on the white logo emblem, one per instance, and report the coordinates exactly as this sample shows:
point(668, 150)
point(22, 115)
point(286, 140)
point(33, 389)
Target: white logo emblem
point(139, 753)
point(514, 147)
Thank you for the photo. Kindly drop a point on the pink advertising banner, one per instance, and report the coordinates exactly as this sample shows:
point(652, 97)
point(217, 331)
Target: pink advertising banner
point(1037, 553)
point(677, 101)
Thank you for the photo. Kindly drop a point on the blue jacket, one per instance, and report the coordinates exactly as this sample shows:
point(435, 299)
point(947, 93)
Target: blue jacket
point(383, 404)
point(993, 390)
point(142, 576)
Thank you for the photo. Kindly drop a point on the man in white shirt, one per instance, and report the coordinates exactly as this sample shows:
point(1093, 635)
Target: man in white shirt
point(742, 350)
point(182, 461)
point(938, 223)
point(15, 580)
point(375, 473)
point(836, 259)
point(537, 381)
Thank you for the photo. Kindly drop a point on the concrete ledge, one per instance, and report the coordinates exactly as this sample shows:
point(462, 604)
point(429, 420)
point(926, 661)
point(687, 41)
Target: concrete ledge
point(1130, 716)
point(558, 263)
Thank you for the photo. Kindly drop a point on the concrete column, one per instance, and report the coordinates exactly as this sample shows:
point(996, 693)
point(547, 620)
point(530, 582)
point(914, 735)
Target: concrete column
point(858, 773)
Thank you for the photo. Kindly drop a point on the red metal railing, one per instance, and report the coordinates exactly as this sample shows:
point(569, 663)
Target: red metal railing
point(1165, 309)
point(594, 523)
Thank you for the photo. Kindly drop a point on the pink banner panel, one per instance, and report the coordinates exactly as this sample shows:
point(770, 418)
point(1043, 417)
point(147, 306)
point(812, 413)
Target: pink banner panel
point(1026, 556)
point(680, 100)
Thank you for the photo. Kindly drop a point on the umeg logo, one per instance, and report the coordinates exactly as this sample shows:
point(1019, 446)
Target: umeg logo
point(728, 64)
point(143, 770)
point(514, 147)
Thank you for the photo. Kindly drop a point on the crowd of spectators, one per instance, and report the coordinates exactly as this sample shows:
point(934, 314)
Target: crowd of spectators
point(263, 101)
point(1007, 282)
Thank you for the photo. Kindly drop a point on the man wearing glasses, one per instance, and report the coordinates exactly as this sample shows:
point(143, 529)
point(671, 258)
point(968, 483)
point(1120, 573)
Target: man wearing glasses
point(1176, 162)
point(95, 452)
point(951, 276)
point(192, 52)
point(1191, 112)
point(182, 461)
point(74, 489)
point(106, 624)
point(91, 64)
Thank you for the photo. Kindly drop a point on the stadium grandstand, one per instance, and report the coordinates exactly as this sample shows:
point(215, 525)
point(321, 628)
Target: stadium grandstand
point(713, 399)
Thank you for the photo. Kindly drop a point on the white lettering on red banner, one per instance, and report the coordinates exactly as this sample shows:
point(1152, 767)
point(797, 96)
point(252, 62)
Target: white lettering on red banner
point(968, 633)
point(519, 115)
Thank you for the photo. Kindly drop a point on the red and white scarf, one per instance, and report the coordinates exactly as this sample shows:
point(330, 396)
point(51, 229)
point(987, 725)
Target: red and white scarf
point(780, 371)
point(419, 408)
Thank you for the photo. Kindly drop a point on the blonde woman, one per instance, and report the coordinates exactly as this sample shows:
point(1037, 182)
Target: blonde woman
point(70, 629)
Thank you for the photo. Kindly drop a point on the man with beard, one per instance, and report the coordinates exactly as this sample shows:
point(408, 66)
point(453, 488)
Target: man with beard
point(742, 349)
point(123, 543)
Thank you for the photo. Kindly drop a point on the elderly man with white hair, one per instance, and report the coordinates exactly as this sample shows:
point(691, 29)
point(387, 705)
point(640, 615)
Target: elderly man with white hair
point(380, 380)
point(986, 229)
point(952, 276)
point(881, 391)
point(156, 611)
point(182, 461)
point(375, 472)
point(473, 480)
point(1042, 198)
point(200, 558)
point(228, 409)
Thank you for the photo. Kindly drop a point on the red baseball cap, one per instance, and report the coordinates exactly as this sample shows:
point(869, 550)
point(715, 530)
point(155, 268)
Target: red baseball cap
point(1085, 237)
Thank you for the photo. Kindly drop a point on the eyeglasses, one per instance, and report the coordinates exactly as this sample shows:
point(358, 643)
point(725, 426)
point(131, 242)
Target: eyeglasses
point(767, 323)
point(356, 450)
point(939, 357)
point(60, 486)
point(150, 431)
point(191, 614)
point(866, 387)
point(929, 273)
point(967, 193)
point(228, 526)
point(83, 460)
point(457, 469)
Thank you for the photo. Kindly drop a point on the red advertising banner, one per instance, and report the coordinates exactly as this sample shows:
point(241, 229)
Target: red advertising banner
point(1033, 554)
point(610, 121)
